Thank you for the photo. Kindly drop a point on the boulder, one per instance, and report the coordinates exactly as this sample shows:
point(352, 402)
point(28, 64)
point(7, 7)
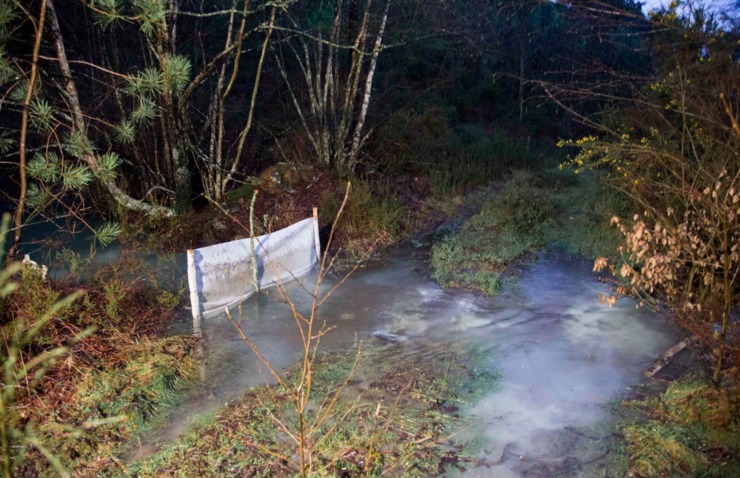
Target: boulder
point(286, 176)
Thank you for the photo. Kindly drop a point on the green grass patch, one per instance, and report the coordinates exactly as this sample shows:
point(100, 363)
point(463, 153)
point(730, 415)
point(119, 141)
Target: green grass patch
point(140, 386)
point(372, 216)
point(105, 409)
point(691, 429)
point(388, 421)
point(510, 225)
point(585, 208)
point(531, 211)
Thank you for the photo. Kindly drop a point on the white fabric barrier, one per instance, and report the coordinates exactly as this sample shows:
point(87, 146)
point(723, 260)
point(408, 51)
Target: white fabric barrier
point(222, 275)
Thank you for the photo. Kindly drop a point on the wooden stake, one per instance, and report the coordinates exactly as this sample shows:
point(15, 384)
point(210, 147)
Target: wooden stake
point(193, 286)
point(317, 240)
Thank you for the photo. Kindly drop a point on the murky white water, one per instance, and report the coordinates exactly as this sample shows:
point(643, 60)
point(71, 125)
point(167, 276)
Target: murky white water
point(563, 355)
point(561, 365)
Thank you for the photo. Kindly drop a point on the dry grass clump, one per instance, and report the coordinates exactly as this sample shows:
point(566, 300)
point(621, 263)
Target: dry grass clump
point(101, 372)
point(693, 429)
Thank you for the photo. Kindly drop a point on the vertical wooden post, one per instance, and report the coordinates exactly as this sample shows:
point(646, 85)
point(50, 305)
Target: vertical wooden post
point(193, 286)
point(317, 240)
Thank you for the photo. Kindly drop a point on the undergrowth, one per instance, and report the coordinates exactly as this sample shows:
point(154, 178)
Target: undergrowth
point(390, 422)
point(374, 215)
point(114, 375)
point(691, 429)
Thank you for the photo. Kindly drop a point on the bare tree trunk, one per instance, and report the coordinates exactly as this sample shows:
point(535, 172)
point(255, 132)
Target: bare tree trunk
point(252, 103)
point(215, 168)
point(219, 167)
point(358, 140)
point(337, 105)
point(174, 7)
point(78, 123)
point(18, 216)
point(522, 37)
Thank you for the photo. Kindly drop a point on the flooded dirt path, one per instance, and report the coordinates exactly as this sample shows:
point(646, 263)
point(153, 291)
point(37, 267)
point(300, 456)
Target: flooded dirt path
point(563, 356)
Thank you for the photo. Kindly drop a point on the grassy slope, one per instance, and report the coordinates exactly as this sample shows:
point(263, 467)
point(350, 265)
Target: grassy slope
point(691, 429)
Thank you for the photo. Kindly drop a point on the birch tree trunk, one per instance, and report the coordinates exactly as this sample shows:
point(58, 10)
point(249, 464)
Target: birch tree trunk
point(358, 139)
point(221, 165)
point(337, 79)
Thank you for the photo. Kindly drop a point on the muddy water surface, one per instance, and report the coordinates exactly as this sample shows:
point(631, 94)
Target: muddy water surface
point(563, 355)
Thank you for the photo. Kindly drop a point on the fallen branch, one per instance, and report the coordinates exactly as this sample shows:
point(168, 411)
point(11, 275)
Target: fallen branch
point(668, 355)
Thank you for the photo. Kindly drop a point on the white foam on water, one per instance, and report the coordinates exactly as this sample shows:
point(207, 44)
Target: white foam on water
point(561, 366)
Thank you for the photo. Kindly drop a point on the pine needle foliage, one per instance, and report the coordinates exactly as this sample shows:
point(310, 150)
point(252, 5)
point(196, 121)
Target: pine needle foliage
point(109, 163)
point(175, 72)
point(78, 145)
point(77, 177)
point(107, 13)
point(44, 168)
point(125, 132)
point(7, 142)
point(42, 116)
point(37, 199)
